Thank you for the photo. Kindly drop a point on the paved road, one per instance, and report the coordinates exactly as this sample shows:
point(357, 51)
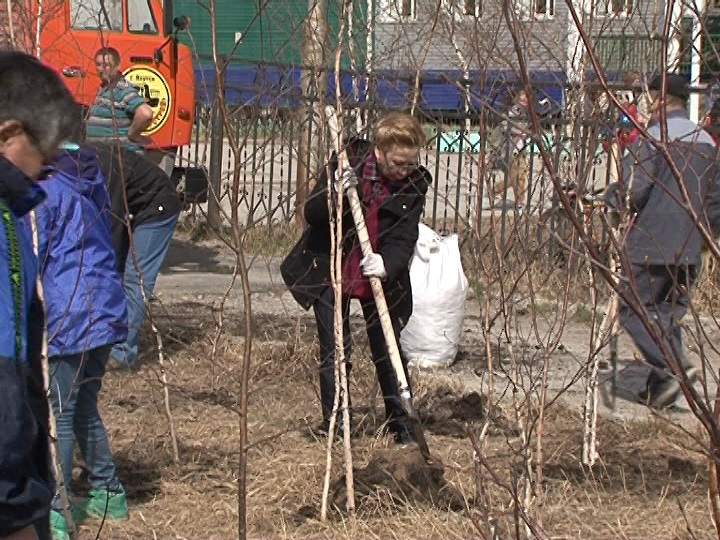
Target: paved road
point(201, 274)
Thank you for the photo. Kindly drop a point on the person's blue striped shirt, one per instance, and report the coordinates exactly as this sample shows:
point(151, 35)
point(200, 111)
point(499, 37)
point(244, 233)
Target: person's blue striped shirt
point(111, 114)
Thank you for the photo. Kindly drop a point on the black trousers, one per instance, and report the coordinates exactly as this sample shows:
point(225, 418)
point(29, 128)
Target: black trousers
point(324, 317)
point(660, 292)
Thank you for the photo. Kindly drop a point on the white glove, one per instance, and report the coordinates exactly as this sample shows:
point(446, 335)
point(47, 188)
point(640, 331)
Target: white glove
point(373, 266)
point(347, 179)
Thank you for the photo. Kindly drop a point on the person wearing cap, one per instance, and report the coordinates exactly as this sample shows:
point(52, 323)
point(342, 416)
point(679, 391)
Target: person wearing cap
point(660, 253)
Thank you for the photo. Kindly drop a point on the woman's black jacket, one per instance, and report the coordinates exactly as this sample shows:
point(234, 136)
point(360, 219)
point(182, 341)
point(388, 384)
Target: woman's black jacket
point(307, 269)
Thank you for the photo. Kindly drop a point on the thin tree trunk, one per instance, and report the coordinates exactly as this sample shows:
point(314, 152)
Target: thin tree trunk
point(11, 24)
point(339, 357)
point(714, 472)
point(313, 81)
point(62, 489)
point(338, 144)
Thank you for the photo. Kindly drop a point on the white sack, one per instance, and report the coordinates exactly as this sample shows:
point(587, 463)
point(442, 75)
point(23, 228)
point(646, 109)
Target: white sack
point(439, 287)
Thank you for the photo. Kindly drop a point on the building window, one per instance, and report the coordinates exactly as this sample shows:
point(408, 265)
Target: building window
point(536, 9)
point(390, 11)
point(473, 8)
point(462, 10)
point(615, 8)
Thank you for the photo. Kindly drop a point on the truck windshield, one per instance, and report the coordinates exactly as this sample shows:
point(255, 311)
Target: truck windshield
point(140, 18)
point(96, 14)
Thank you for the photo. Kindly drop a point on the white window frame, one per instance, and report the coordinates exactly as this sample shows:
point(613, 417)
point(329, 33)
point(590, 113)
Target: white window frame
point(390, 11)
point(457, 9)
point(527, 10)
point(604, 8)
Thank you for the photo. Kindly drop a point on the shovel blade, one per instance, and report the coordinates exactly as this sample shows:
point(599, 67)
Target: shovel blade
point(418, 431)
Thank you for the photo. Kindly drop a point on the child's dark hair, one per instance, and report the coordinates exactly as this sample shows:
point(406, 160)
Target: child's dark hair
point(34, 95)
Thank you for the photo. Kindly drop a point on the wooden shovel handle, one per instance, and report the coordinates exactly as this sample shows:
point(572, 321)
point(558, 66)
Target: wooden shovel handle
point(366, 247)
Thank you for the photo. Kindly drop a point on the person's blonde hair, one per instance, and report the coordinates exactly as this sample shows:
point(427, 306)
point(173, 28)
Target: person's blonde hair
point(398, 129)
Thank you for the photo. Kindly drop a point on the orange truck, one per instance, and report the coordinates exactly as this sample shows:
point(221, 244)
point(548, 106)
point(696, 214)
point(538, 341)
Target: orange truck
point(66, 34)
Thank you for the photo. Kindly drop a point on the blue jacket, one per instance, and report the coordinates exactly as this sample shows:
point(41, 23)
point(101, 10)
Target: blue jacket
point(85, 303)
point(26, 485)
point(19, 195)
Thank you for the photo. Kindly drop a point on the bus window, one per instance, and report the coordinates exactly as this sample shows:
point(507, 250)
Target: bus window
point(96, 14)
point(140, 18)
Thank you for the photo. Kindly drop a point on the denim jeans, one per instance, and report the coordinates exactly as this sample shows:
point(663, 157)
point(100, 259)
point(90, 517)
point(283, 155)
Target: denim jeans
point(75, 381)
point(150, 242)
point(324, 317)
point(662, 291)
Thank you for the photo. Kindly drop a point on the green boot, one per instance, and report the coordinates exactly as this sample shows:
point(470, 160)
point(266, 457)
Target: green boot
point(101, 503)
point(58, 526)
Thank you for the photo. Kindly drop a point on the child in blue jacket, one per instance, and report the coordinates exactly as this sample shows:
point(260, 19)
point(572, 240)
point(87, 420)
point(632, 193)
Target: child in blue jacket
point(86, 315)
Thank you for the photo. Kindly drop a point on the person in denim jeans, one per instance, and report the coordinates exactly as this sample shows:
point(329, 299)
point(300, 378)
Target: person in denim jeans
point(144, 206)
point(86, 314)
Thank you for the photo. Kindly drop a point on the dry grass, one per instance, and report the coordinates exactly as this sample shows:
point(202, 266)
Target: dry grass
point(649, 483)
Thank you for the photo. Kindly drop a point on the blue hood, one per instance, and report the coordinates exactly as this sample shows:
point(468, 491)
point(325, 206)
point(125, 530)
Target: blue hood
point(79, 168)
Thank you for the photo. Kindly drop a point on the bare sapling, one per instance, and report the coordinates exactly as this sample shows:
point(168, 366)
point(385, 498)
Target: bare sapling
point(604, 333)
point(62, 489)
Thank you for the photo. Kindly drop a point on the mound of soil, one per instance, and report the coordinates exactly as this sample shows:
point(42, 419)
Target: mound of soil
point(443, 412)
point(400, 475)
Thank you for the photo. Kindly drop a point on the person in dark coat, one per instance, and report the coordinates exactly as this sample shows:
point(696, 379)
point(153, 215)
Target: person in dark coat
point(392, 186)
point(144, 207)
point(663, 243)
point(36, 113)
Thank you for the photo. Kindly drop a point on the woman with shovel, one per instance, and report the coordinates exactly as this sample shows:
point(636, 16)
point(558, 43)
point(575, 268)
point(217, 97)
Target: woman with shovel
point(392, 187)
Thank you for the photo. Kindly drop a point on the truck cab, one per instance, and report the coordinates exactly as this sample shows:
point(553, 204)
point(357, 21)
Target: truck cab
point(145, 34)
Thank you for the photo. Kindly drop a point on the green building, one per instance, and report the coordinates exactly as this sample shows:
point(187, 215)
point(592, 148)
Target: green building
point(264, 31)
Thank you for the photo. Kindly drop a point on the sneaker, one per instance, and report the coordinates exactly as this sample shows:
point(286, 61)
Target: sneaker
point(663, 396)
point(58, 526)
point(114, 364)
point(101, 503)
point(667, 392)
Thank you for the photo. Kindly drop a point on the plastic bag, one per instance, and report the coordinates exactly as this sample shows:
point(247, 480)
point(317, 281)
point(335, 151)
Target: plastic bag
point(431, 337)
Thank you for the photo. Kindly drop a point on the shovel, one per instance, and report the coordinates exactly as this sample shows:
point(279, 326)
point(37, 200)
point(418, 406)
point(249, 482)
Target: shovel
point(379, 295)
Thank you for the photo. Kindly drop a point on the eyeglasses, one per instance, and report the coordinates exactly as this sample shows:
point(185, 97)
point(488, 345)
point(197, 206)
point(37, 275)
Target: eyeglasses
point(401, 166)
point(407, 167)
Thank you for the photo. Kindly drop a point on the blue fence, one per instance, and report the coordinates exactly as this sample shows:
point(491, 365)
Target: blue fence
point(264, 85)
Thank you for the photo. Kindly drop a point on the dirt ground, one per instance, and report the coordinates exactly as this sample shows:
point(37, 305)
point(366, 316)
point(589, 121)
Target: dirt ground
point(651, 480)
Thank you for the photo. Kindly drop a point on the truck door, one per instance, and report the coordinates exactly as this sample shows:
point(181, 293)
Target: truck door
point(72, 31)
